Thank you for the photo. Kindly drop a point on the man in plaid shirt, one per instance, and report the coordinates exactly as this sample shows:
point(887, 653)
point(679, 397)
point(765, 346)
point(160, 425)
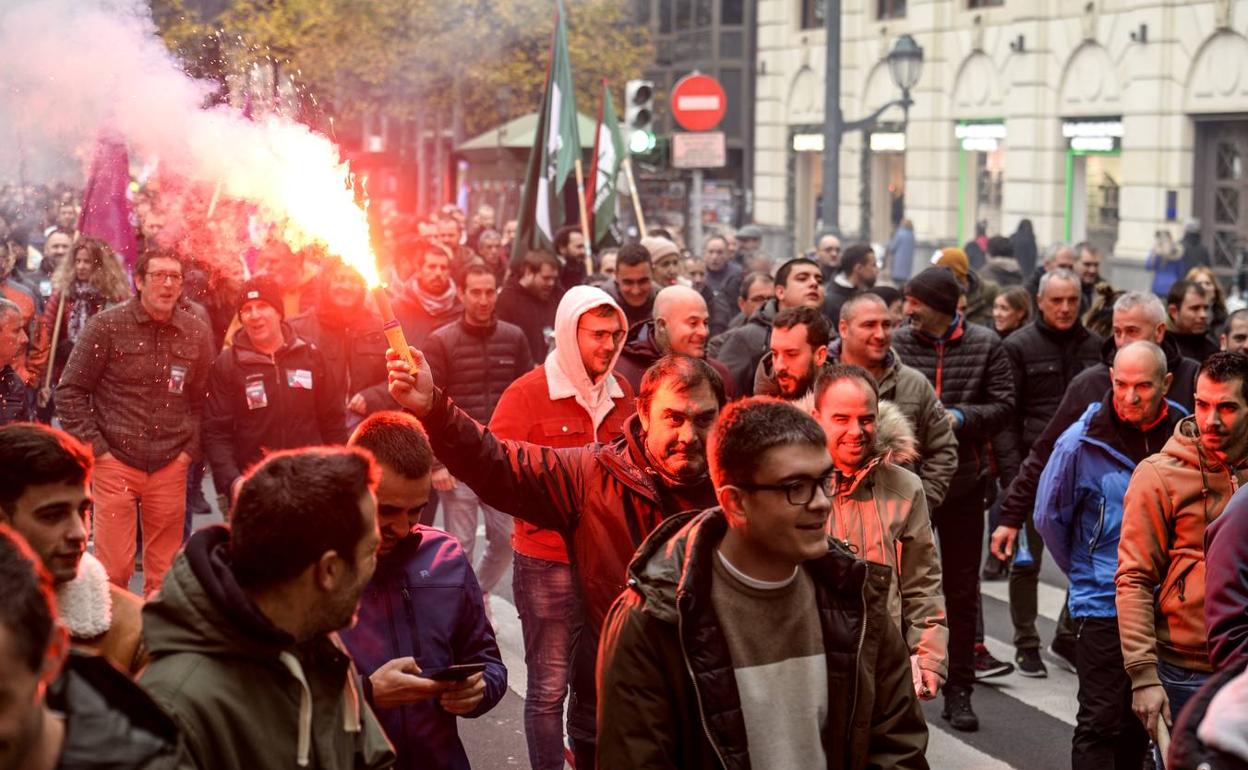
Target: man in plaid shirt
point(133, 389)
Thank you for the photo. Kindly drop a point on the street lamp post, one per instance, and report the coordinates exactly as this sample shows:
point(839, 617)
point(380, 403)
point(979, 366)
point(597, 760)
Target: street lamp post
point(905, 64)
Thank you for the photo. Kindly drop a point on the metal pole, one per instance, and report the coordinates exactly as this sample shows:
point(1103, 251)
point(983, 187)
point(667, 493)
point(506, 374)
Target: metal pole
point(864, 186)
point(695, 203)
point(832, 117)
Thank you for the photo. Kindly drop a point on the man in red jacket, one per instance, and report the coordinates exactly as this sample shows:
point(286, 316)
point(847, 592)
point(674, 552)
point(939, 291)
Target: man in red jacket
point(570, 400)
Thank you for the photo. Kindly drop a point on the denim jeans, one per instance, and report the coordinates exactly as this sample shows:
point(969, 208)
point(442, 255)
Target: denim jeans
point(1180, 684)
point(549, 608)
point(459, 507)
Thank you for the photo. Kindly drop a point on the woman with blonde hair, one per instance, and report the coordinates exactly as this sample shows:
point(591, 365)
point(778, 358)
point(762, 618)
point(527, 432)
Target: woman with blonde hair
point(1203, 277)
point(1011, 310)
point(90, 281)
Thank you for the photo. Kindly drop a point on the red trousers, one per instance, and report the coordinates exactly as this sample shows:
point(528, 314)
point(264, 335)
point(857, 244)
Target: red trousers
point(122, 495)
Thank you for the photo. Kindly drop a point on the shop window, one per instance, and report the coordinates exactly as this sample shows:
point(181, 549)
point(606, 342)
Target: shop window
point(732, 12)
point(665, 16)
point(812, 13)
point(984, 3)
point(890, 9)
point(643, 13)
point(1229, 166)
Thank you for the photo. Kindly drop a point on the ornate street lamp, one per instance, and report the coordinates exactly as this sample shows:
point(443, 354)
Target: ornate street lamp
point(905, 65)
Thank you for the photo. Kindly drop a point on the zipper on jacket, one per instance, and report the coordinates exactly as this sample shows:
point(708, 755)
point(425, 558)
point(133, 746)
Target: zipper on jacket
point(697, 694)
point(1100, 529)
point(862, 638)
point(398, 653)
point(411, 621)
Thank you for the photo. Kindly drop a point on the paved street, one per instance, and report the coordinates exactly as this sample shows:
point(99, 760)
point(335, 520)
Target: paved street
point(1024, 723)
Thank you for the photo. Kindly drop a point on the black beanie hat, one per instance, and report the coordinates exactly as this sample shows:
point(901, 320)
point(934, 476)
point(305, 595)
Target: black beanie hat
point(937, 288)
point(263, 288)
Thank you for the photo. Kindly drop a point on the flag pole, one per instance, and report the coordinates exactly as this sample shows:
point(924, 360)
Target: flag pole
point(580, 199)
point(632, 193)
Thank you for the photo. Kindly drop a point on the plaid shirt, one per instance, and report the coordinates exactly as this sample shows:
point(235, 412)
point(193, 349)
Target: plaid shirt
point(135, 386)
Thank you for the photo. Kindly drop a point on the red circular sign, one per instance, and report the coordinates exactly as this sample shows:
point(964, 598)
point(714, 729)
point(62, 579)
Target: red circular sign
point(698, 102)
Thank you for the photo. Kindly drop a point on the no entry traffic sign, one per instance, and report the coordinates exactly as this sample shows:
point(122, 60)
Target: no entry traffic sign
point(698, 102)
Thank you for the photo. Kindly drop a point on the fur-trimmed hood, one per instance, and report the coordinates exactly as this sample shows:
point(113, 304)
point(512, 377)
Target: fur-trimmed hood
point(894, 436)
point(85, 603)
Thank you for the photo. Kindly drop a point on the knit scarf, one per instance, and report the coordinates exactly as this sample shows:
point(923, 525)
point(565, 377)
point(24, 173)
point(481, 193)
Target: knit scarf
point(434, 305)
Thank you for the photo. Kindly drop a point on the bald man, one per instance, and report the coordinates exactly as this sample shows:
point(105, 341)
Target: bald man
point(1079, 512)
point(679, 326)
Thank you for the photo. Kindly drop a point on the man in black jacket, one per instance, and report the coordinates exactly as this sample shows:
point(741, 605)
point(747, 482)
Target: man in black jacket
point(746, 633)
point(857, 273)
point(603, 498)
point(268, 391)
point(1187, 303)
point(1046, 355)
point(529, 300)
point(475, 359)
point(1138, 317)
point(972, 376)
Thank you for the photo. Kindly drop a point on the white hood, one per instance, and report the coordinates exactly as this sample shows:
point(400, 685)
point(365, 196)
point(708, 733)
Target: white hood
point(565, 372)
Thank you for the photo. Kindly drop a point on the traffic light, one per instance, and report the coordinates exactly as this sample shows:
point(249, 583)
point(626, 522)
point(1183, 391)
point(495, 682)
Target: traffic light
point(639, 115)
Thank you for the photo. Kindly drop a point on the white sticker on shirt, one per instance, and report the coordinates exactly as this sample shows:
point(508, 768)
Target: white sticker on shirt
point(300, 379)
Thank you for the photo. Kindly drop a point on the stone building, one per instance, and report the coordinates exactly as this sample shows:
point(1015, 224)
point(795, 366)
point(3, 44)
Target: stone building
point(1105, 120)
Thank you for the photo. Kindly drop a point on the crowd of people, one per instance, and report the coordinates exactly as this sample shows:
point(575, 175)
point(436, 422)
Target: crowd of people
point(743, 504)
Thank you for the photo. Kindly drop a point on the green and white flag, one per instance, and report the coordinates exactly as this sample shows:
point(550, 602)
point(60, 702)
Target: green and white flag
point(604, 170)
point(545, 205)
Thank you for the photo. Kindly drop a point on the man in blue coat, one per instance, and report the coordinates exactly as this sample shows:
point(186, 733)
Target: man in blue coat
point(1079, 514)
point(421, 612)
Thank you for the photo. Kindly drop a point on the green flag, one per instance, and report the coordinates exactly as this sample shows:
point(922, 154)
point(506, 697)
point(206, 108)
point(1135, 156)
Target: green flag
point(604, 170)
point(550, 177)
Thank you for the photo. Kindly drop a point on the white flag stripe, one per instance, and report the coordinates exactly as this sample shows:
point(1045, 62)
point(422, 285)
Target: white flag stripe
point(698, 103)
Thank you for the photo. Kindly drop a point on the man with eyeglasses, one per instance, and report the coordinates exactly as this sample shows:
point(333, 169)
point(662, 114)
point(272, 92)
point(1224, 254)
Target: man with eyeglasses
point(603, 499)
point(420, 570)
point(746, 632)
point(134, 390)
point(572, 399)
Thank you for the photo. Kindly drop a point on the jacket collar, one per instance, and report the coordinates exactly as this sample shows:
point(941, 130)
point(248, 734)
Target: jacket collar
point(293, 342)
point(85, 603)
point(1102, 427)
point(141, 316)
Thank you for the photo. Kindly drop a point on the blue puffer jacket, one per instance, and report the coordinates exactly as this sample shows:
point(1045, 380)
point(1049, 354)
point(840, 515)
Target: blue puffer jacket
point(1079, 501)
point(424, 602)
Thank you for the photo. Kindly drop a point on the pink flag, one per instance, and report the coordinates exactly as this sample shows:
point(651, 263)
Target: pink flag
point(105, 207)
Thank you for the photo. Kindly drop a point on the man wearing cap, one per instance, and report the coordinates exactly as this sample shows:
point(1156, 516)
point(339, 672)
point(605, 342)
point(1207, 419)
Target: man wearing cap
point(979, 293)
point(665, 260)
point(971, 374)
point(749, 240)
point(270, 390)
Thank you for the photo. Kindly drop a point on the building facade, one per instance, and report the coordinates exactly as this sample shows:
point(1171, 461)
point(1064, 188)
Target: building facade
point(1099, 120)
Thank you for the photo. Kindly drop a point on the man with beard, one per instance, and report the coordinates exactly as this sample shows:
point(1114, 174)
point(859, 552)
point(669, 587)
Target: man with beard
point(1188, 306)
point(799, 350)
point(570, 249)
point(350, 339)
point(633, 288)
point(428, 301)
point(857, 273)
point(603, 499)
point(679, 326)
point(528, 299)
point(295, 277)
point(246, 623)
point(418, 568)
point(490, 250)
point(1172, 499)
point(798, 284)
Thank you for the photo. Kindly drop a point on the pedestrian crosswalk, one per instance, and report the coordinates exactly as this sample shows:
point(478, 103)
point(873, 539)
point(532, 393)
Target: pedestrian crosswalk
point(1025, 724)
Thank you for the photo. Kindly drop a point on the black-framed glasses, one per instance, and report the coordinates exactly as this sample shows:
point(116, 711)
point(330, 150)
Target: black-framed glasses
point(165, 276)
point(797, 491)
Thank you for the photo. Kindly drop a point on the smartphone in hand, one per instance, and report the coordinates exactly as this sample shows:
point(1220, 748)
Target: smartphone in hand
point(455, 673)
